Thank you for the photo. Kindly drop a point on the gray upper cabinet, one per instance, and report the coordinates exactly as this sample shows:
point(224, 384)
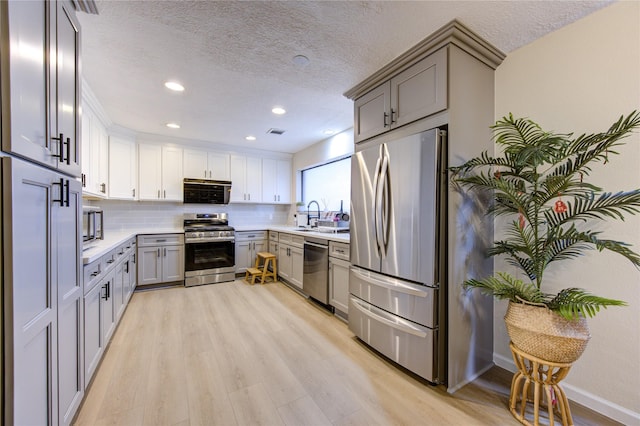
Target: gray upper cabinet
point(41, 83)
point(417, 92)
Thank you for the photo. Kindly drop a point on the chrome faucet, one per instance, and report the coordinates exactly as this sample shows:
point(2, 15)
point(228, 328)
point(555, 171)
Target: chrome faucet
point(309, 214)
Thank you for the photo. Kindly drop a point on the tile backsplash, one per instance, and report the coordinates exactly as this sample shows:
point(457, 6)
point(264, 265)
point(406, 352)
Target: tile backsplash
point(126, 215)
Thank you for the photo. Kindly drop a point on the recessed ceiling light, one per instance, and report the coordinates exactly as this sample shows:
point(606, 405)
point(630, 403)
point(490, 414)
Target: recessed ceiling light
point(278, 110)
point(300, 60)
point(174, 85)
point(329, 132)
point(173, 125)
point(250, 138)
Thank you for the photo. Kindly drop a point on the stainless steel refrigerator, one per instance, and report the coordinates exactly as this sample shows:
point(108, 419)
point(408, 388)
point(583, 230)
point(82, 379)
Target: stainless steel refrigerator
point(397, 277)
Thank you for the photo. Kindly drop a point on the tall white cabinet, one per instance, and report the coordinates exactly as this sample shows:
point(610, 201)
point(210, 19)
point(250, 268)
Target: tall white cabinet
point(123, 167)
point(246, 178)
point(42, 338)
point(276, 181)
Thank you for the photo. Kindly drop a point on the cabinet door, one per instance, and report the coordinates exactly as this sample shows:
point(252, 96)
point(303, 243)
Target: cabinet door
point(118, 290)
point(149, 265)
point(99, 157)
point(284, 262)
point(269, 178)
point(218, 166)
point(67, 89)
point(254, 180)
point(172, 173)
point(371, 113)
point(420, 90)
point(122, 168)
point(238, 179)
point(243, 255)
point(107, 310)
point(68, 241)
point(339, 284)
point(283, 181)
point(24, 107)
point(195, 164)
point(29, 294)
point(93, 343)
point(149, 174)
point(172, 263)
point(87, 175)
point(297, 265)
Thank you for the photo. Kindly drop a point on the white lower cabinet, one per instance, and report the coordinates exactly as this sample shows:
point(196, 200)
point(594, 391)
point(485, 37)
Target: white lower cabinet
point(160, 258)
point(107, 289)
point(248, 244)
point(291, 258)
point(339, 277)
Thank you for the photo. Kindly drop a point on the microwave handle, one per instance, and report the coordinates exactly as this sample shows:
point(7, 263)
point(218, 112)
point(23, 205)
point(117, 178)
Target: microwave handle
point(101, 236)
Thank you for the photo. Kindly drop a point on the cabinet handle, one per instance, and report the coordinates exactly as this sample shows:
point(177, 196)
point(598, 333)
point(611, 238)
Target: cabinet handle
point(158, 193)
point(60, 140)
point(393, 120)
point(209, 174)
point(64, 190)
point(158, 251)
point(95, 274)
point(103, 188)
point(106, 292)
point(108, 289)
point(165, 252)
point(68, 143)
point(133, 191)
point(249, 196)
point(83, 179)
point(205, 174)
point(384, 120)
point(278, 198)
point(165, 193)
point(134, 258)
point(110, 261)
point(126, 267)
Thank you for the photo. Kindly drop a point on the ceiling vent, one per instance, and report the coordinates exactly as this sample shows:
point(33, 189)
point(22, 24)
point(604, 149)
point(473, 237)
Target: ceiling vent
point(275, 131)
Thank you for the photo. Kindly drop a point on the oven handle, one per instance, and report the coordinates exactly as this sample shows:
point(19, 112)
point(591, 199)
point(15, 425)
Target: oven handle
point(208, 240)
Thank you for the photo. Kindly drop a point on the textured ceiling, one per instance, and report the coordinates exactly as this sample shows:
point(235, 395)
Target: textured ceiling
point(235, 59)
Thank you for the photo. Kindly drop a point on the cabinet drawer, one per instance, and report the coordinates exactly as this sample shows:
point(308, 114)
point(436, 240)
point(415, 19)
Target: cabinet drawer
point(251, 235)
point(297, 241)
point(339, 250)
point(273, 236)
point(414, 302)
point(160, 240)
point(409, 344)
point(92, 272)
point(284, 238)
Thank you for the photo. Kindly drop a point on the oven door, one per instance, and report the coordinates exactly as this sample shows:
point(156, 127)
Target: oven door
point(205, 258)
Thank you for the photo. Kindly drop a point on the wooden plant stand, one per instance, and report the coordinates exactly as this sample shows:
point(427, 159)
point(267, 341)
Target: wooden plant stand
point(545, 377)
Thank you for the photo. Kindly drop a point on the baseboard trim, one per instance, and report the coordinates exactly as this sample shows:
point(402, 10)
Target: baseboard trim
point(582, 397)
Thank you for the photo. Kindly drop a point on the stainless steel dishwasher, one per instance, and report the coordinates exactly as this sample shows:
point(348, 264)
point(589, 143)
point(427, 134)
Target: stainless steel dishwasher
point(315, 280)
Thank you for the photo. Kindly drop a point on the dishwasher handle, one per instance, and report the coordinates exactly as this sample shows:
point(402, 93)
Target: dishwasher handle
point(308, 243)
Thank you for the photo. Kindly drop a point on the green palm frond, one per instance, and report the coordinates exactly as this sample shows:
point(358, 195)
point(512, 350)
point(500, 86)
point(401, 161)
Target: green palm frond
point(504, 286)
point(536, 171)
point(573, 302)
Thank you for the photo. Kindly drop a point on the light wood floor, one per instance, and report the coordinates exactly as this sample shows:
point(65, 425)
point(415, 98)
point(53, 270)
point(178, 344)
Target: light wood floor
point(234, 354)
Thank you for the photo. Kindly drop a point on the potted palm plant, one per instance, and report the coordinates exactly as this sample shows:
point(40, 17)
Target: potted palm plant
point(540, 184)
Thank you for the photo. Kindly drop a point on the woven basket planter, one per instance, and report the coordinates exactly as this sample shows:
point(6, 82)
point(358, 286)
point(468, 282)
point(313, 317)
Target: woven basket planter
point(544, 334)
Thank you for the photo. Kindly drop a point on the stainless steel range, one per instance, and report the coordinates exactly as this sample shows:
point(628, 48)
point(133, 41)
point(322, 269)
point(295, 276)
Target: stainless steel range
point(209, 249)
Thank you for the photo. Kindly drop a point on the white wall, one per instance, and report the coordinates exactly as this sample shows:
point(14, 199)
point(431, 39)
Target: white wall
point(580, 79)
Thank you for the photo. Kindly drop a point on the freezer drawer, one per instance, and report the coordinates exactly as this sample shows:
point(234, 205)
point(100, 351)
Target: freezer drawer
point(414, 302)
point(409, 344)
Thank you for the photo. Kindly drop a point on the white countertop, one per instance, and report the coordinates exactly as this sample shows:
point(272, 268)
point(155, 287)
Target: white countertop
point(115, 238)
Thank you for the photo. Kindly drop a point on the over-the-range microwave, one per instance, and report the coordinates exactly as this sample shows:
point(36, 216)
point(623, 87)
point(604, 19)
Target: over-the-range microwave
point(205, 191)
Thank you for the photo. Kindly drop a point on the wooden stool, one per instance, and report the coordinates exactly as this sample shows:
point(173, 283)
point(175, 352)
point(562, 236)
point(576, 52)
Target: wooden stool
point(261, 268)
point(546, 377)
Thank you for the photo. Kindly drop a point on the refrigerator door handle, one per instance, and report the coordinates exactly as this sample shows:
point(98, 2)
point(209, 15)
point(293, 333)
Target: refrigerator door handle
point(376, 204)
point(394, 324)
point(384, 201)
point(395, 286)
